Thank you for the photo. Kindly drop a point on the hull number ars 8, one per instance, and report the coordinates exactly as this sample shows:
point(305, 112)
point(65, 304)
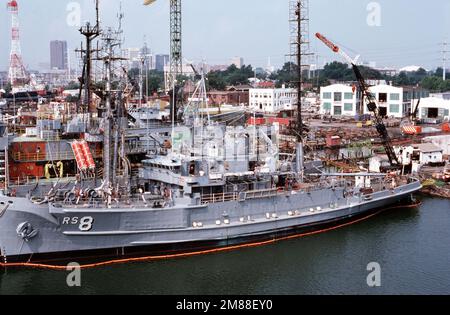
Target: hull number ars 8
point(84, 224)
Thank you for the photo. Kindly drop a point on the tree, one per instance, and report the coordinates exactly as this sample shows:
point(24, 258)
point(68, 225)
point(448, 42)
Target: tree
point(218, 80)
point(337, 71)
point(155, 82)
point(286, 75)
point(8, 88)
point(72, 86)
point(435, 84)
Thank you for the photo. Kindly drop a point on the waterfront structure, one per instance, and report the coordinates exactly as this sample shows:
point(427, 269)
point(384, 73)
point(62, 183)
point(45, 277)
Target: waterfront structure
point(272, 100)
point(390, 101)
point(433, 109)
point(444, 95)
point(345, 100)
point(428, 153)
point(339, 100)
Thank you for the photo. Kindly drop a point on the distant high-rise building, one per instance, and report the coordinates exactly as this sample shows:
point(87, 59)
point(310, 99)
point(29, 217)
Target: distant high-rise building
point(238, 62)
point(146, 53)
point(161, 61)
point(58, 55)
point(132, 57)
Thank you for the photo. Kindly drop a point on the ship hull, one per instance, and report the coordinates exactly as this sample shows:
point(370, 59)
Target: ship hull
point(122, 233)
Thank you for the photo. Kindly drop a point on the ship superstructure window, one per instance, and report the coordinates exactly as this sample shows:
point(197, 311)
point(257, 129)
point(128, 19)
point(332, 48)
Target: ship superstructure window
point(327, 106)
point(192, 169)
point(348, 107)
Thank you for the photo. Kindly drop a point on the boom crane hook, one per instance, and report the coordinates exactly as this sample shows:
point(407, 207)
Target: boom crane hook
point(371, 101)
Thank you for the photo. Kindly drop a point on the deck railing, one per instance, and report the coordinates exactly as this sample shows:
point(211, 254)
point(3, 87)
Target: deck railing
point(47, 156)
point(218, 198)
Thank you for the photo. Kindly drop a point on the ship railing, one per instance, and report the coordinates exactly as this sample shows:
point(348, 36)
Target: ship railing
point(115, 203)
point(29, 157)
point(219, 198)
point(28, 180)
point(264, 193)
point(41, 156)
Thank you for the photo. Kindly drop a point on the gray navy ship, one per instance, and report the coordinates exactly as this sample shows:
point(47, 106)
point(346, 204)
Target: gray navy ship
point(164, 188)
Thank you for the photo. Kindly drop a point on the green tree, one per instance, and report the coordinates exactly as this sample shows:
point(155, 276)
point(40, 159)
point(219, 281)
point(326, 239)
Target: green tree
point(435, 84)
point(8, 88)
point(72, 86)
point(216, 81)
point(155, 82)
point(286, 75)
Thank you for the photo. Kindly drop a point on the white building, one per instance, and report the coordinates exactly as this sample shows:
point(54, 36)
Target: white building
point(390, 101)
point(442, 142)
point(415, 156)
point(444, 96)
point(433, 109)
point(272, 100)
point(410, 69)
point(428, 153)
point(339, 100)
point(344, 100)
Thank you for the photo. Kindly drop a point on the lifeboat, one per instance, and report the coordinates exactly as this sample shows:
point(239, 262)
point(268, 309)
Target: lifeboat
point(79, 156)
point(88, 155)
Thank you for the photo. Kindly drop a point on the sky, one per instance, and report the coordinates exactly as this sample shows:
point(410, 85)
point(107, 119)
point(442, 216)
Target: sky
point(392, 33)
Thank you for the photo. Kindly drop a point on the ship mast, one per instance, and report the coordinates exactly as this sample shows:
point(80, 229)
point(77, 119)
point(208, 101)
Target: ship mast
point(90, 33)
point(111, 120)
point(299, 151)
point(108, 116)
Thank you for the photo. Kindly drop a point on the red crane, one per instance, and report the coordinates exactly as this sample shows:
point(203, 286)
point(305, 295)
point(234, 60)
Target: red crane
point(371, 102)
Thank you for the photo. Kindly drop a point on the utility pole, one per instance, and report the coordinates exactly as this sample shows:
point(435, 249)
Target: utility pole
point(445, 51)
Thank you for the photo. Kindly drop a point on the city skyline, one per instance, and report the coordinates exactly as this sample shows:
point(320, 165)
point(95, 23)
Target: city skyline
point(253, 30)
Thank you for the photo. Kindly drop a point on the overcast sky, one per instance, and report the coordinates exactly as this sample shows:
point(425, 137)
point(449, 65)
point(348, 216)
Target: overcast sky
point(216, 30)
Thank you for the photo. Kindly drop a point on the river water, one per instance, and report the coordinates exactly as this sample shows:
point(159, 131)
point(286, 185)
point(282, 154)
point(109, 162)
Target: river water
point(411, 246)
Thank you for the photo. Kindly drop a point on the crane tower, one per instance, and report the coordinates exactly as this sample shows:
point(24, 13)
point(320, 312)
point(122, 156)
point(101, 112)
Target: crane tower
point(17, 74)
point(176, 60)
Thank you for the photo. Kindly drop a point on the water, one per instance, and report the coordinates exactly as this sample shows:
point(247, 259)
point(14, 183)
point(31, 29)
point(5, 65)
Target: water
point(412, 247)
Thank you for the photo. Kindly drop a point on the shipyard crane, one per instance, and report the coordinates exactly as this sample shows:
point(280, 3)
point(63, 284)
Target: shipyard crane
point(176, 62)
point(371, 101)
